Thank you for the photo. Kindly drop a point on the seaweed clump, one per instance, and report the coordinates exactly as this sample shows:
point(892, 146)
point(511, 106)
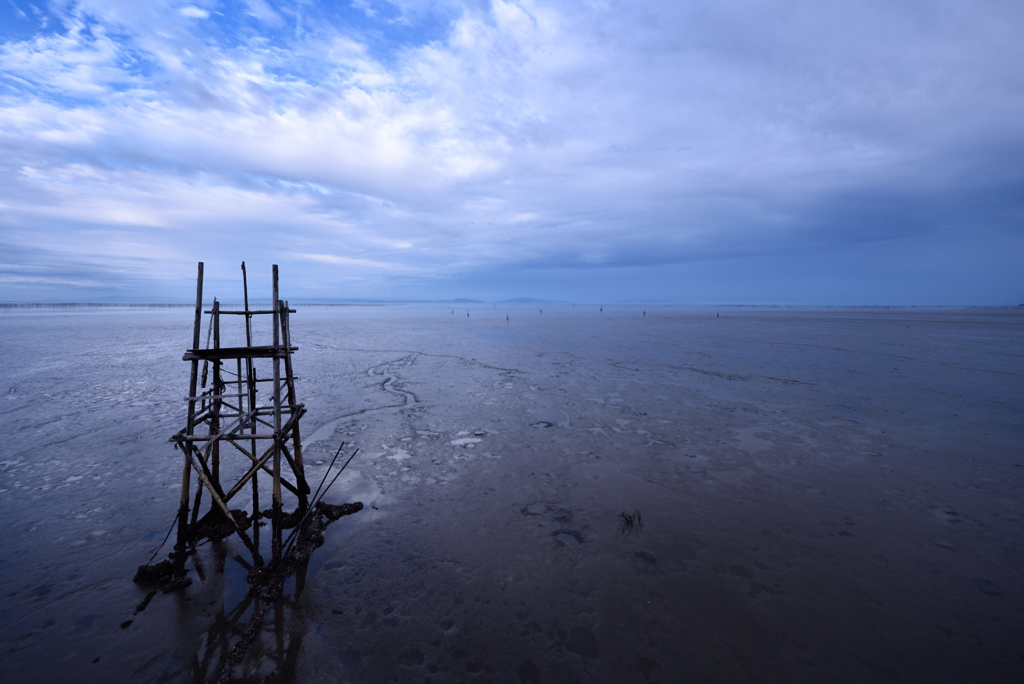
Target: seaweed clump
point(632, 521)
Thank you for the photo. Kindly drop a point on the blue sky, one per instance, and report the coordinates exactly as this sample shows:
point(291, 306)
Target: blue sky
point(764, 152)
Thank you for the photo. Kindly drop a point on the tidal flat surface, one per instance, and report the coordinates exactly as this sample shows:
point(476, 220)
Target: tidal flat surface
point(828, 495)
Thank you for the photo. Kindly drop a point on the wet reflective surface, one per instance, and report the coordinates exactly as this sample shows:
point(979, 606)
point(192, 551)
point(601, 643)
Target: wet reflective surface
point(825, 495)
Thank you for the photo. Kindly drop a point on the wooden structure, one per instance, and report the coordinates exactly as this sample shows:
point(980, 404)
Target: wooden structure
point(243, 424)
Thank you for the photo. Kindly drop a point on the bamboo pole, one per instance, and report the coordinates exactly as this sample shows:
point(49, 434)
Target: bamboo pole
point(258, 464)
point(250, 376)
point(209, 330)
point(254, 312)
point(276, 526)
point(186, 475)
point(217, 389)
point(204, 480)
point(297, 466)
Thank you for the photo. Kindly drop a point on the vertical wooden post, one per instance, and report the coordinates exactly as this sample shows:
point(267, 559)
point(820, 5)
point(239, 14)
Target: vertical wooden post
point(238, 377)
point(186, 476)
point(276, 544)
point(293, 401)
point(250, 378)
point(197, 502)
point(218, 389)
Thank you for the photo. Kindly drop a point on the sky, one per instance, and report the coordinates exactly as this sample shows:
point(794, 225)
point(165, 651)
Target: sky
point(693, 152)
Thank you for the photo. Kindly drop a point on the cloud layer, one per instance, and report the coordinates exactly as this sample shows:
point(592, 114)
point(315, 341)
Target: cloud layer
point(777, 151)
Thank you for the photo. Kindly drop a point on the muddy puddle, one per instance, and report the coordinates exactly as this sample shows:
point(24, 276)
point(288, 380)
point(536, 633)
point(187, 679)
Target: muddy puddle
point(578, 495)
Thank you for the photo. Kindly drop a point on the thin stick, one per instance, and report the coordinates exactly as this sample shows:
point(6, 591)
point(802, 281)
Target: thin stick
point(293, 535)
point(169, 530)
point(339, 473)
point(328, 471)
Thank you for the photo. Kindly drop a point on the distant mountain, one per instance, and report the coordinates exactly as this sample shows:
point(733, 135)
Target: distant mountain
point(528, 300)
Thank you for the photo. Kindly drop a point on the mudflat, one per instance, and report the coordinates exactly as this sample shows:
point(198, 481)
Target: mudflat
point(574, 495)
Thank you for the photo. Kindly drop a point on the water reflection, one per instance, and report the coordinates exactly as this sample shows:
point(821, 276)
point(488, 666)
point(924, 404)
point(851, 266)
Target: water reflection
point(249, 639)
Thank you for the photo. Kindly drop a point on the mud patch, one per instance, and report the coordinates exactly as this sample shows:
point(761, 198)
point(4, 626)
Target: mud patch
point(567, 537)
point(645, 562)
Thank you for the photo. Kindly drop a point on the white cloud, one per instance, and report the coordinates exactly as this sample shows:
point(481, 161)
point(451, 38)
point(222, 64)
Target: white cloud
point(193, 12)
point(529, 134)
point(262, 11)
point(17, 10)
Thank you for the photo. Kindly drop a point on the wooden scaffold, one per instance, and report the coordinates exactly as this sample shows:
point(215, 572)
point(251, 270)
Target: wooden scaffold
point(228, 418)
point(232, 437)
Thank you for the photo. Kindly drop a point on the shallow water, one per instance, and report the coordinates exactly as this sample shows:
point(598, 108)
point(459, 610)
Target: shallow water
point(828, 495)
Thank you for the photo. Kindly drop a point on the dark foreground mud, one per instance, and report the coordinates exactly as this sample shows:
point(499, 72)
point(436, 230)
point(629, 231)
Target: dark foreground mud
point(580, 496)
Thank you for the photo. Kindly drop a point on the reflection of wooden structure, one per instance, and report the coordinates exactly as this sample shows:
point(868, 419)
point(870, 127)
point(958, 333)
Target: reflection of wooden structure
point(261, 640)
point(228, 419)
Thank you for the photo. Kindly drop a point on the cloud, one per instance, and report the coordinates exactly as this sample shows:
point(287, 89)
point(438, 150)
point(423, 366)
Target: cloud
point(262, 11)
point(17, 10)
point(413, 141)
point(193, 12)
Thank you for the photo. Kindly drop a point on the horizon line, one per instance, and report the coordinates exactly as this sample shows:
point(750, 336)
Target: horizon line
point(474, 302)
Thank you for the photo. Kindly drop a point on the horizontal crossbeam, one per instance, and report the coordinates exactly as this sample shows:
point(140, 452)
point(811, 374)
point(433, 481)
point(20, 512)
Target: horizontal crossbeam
point(237, 352)
point(250, 312)
point(267, 352)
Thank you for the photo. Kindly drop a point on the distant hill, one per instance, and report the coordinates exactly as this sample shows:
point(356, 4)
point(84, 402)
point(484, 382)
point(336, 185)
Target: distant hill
point(528, 300)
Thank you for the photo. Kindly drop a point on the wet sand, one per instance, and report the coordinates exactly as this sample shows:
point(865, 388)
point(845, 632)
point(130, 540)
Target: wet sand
point(829, 495)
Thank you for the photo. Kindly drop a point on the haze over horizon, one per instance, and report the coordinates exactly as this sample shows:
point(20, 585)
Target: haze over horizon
point(781, 152)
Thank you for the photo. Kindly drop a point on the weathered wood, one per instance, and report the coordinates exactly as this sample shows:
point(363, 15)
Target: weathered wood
point(251, 388)
point(186, 476)
point(214, 396)
point(217, 388)
point(220, 504)
point(303, 487)
point(193, 437)
point(195, 506)
point(276, 527)
point(205, 481)
point(262, 352)
point(238, 365)
point(198, 326)
point(259, 411)
point(232, 435)
point(209, 330)
point(248, 312)
point(258, 465)
point(204, 462)
point(226, 437)
point(229, 413)
point(297, 465)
